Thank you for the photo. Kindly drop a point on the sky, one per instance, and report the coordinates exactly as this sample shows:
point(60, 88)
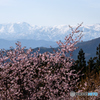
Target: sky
point(50, 12)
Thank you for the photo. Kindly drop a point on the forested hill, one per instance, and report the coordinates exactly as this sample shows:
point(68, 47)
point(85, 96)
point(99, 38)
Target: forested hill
point(89, 48)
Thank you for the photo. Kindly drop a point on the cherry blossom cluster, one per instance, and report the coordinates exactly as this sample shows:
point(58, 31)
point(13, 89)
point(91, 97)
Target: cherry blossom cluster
point(34, 76)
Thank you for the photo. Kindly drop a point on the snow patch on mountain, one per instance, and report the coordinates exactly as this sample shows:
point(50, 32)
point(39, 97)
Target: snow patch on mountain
point(2, 29)
point(23, 30)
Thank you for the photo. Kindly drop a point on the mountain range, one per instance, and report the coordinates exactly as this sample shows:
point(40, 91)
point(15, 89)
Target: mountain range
point(14, 31)
point(6, 44)
point(44, 37)
point(89, 48)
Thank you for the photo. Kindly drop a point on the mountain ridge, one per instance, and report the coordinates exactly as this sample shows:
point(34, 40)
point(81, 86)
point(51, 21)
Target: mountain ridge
point(14, 31)
point(89, 48)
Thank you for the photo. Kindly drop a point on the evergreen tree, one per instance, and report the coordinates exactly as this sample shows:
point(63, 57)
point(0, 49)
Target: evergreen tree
point(80, 62)
point(98, 59)
point(91, 64)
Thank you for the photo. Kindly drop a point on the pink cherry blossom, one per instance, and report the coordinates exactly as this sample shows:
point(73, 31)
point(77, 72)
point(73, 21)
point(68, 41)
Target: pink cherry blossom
point(38, 76)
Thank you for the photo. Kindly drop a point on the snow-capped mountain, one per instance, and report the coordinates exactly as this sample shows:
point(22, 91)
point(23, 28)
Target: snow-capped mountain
point(13, 31)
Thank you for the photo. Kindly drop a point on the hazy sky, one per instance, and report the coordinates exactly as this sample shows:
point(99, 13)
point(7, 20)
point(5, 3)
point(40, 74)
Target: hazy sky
point(50, 12)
